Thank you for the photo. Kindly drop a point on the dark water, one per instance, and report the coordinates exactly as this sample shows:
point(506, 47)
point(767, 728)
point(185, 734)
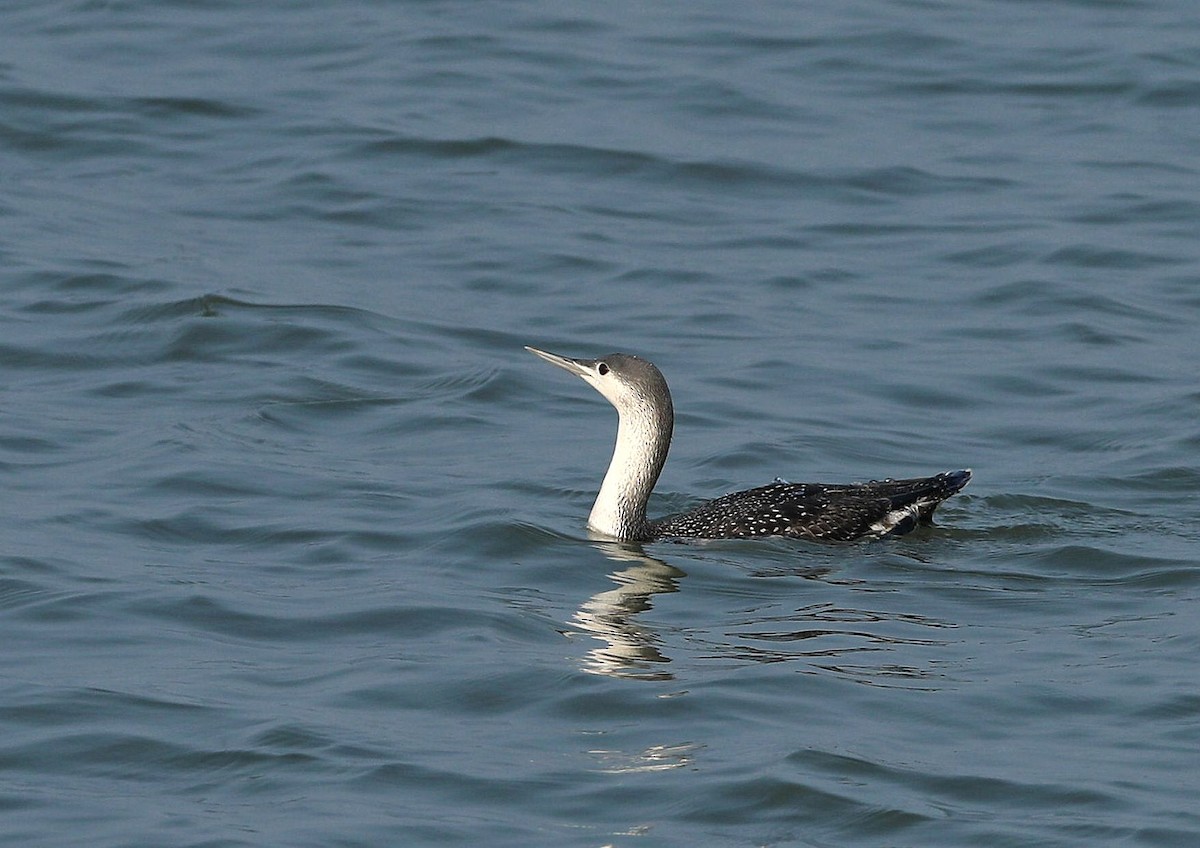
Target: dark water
point(293, 547)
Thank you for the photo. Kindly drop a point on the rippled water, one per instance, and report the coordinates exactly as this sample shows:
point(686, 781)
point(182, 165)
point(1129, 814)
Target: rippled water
point(293, 547)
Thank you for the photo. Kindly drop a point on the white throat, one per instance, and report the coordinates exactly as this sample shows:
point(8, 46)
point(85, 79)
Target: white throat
point(643, 439)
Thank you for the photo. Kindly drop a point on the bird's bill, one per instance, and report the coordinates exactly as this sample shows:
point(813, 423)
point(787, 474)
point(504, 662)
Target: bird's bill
point(578, 367)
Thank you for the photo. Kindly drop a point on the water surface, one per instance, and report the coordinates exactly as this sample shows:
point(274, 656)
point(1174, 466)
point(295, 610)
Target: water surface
point(293, 547)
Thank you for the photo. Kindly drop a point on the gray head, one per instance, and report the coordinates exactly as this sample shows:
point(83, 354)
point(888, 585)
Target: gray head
point(630, 383)
point(639, 392)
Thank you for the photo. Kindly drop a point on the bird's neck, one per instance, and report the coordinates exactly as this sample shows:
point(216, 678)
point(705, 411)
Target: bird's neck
point(643, 439)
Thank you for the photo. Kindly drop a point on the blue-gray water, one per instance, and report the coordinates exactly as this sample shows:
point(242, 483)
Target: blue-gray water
point(291, 537)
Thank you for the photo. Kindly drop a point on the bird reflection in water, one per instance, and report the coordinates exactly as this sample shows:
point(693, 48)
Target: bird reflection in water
point(827, 637)
point(630, 649)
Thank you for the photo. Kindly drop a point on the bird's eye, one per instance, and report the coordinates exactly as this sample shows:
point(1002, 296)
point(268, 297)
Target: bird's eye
point(602, 368)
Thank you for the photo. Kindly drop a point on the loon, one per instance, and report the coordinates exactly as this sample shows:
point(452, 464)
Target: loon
point(815, 511)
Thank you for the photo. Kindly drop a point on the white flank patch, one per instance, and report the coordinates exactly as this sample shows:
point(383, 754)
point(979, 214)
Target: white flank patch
point(888, 523)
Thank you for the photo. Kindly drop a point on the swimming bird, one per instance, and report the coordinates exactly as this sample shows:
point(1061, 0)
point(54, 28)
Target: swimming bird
point(818, 511)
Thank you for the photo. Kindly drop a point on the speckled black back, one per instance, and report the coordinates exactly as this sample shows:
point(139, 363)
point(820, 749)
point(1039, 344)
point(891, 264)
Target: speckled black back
point(812, 510)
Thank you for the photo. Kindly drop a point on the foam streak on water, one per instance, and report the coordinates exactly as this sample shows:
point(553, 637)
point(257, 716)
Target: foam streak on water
point(293, 547)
